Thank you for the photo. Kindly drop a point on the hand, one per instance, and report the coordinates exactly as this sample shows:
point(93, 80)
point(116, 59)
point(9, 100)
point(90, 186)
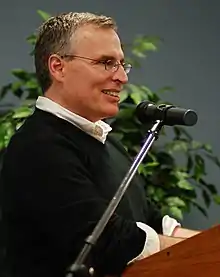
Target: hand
point(184, 233)
point(166, 241)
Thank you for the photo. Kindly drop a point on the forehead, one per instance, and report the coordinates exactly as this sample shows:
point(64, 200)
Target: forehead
point(95, 41)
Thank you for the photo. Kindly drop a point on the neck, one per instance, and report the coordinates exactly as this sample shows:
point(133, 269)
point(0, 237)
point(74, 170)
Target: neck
point(57, 98)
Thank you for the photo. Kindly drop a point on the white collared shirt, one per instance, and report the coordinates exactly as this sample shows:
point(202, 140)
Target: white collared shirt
point(100, 130)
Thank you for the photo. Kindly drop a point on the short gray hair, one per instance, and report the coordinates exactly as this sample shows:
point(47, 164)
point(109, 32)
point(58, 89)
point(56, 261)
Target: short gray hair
point(55, 34)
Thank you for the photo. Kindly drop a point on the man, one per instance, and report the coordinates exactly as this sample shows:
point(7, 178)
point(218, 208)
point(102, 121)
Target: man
point(62, 168)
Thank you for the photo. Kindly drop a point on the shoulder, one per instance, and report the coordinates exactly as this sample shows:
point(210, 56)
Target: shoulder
point(47, 140)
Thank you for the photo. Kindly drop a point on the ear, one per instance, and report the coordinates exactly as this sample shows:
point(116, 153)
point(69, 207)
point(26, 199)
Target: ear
point(56, 67)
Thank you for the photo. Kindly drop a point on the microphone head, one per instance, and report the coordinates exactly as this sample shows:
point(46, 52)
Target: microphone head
point(148, 112)
point(190, 118)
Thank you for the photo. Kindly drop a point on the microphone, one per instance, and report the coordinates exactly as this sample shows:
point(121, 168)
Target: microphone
point(147, 112)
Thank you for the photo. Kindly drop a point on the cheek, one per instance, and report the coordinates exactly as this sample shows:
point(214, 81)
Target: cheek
point(93, 84)
point(86, 83)
point(100, 81)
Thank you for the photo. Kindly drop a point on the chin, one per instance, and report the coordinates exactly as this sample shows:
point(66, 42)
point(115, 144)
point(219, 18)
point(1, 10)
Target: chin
point(111, 113)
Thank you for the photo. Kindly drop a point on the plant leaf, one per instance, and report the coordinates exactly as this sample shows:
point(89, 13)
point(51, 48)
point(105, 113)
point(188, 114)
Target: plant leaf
point(22, 112)
point(176, 212)
point(32, 39)
point(20, 74)
point(206, 198)
point(45, 16)
point(123, 95)
point(175, 201)
point(216, 198)
point(214, 159)
point(200, 208)
point(185, 185)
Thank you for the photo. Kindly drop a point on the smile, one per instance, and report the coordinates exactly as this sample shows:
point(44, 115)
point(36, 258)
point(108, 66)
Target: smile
point(111, 93)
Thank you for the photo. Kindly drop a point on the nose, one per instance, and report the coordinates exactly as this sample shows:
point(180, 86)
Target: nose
point(120, 75)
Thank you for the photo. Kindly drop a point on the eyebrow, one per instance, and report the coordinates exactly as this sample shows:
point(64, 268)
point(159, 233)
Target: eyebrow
point(109, 57)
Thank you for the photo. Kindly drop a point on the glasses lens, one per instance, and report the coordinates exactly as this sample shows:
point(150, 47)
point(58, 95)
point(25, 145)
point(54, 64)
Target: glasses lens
point(127, 68)
point(113, 66)
point(110, 65)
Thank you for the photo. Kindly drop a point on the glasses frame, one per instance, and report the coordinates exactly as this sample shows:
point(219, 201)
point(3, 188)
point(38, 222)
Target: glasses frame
point(126, 66)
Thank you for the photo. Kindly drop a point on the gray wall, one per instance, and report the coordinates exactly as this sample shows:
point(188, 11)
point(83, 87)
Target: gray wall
point(189, 58)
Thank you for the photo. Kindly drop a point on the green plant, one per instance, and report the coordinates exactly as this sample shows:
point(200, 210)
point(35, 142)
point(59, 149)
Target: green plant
point(173, 169)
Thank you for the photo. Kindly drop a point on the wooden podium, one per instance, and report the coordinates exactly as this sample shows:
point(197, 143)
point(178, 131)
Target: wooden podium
point(198, 256)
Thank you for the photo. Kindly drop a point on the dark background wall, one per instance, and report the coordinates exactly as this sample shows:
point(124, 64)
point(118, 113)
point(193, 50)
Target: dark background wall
point(188, 59)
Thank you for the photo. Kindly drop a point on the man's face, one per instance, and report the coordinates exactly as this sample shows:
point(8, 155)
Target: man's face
point(87, 88)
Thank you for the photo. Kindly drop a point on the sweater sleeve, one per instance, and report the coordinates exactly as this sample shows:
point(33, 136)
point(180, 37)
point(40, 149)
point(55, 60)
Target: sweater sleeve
point(68, 206)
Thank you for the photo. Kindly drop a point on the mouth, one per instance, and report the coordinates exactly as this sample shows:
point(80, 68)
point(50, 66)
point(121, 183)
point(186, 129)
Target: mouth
point(111, 93)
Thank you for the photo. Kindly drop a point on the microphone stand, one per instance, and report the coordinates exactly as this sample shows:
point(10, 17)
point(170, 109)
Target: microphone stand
point(78, 269)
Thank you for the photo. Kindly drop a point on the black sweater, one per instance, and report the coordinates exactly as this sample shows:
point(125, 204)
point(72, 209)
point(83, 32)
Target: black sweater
point(56, 183)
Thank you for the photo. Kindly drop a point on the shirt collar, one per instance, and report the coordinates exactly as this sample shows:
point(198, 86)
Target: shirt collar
point(98, 130)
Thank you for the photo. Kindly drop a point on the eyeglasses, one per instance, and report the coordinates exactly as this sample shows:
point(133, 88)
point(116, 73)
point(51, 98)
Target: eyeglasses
point(110, 64)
